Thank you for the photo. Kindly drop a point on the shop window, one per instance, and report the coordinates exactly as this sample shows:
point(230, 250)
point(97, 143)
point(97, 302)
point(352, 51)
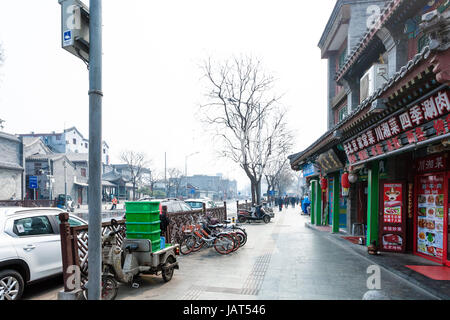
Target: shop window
point(37, 168)
point(83, 172)
point(341, 113)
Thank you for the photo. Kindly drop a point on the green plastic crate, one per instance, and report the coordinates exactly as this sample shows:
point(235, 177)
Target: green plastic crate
point(142, 217)
point(143, 226)
point(152, 236)
point(142, 206)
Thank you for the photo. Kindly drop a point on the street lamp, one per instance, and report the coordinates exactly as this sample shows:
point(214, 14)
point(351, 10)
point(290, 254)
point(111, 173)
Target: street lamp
point(185, 169)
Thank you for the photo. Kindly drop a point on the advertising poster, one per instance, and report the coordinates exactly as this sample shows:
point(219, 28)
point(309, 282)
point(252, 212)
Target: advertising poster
point(430, 216)
point(392, 221)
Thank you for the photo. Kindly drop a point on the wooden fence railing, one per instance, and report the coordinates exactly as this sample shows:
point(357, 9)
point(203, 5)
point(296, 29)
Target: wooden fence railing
point(244, 205)
point(74, 240)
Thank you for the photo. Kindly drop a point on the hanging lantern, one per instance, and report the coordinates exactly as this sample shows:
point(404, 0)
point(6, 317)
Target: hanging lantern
point(345, 181)
point(324, 184)
point(345, 184)
point(352, 178)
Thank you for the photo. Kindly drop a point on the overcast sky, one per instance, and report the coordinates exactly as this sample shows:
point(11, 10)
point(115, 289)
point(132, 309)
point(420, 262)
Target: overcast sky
point(152, 82)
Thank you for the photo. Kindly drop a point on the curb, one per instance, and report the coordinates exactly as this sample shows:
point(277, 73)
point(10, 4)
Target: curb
point(362, 251)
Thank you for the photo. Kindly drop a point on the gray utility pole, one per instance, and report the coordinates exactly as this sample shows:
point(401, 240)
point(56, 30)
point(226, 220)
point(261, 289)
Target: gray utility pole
point(95, 150)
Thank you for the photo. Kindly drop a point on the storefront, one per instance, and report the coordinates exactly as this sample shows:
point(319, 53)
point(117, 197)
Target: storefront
point(408, 201)
point(431, 216)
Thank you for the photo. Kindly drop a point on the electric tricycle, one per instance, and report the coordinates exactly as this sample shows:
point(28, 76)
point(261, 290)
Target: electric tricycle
point(135, 257)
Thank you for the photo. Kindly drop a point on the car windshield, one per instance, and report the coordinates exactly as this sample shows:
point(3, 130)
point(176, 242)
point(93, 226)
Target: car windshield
point(195, 205)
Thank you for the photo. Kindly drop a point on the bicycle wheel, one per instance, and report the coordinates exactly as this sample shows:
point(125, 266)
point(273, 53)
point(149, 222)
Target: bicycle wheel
point(224, 244)
point(187, 244)
point(242, 238)
point(199, 243)
point(237, 242)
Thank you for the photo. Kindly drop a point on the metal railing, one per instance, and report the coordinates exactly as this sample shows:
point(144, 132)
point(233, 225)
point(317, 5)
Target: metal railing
point(28, 203)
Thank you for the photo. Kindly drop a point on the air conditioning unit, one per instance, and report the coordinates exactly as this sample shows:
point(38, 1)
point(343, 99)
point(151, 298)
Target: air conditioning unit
point(372, 80)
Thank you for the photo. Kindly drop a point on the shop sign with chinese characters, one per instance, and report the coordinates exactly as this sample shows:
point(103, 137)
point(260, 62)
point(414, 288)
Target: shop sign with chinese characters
point(431, 164)
point(403, 129)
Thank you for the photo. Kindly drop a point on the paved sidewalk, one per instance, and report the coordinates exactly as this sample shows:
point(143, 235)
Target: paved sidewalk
point(107, 213)
point(395, 263)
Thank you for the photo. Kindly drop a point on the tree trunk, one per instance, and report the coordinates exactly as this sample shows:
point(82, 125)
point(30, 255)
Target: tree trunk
point(258, 192)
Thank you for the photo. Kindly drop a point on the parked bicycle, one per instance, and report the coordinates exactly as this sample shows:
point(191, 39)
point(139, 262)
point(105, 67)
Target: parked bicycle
point(196, 238)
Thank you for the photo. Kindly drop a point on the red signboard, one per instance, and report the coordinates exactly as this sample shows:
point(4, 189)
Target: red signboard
point(431, 164)
point(388, 135)
point(393, 225)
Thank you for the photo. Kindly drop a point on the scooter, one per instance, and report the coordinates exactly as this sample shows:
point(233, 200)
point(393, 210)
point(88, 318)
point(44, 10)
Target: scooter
point(251, 215)
point(135, 257)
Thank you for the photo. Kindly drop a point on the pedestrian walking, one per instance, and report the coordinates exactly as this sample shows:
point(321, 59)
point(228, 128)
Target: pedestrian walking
point(280, 204)
point(114, 203)
point(293, 202)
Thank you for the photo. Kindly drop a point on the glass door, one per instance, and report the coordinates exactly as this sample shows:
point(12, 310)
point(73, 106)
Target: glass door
point(430, 218)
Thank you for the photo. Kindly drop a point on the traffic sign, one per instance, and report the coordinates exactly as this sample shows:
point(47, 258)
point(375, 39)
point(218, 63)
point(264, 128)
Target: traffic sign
point(33, 182)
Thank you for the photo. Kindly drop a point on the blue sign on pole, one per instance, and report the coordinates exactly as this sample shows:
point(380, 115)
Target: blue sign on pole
point(33, 182)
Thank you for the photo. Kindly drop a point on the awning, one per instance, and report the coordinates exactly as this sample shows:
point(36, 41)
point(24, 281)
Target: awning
point(81, 184)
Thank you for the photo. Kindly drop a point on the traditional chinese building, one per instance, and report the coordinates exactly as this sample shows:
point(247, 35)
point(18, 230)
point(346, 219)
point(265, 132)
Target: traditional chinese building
point(393, 144)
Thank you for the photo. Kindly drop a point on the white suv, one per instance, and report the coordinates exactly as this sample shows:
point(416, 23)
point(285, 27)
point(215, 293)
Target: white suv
point(30, 247)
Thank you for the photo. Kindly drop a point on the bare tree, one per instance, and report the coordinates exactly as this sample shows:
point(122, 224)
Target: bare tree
point(137, 163)
point(284, 180)
point(245, 115)
point(175, 179)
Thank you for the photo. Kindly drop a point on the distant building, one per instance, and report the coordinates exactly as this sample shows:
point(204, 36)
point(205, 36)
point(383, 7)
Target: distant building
point(69, 141)
point(56, 175)
point(12, 175)
point(214, 187)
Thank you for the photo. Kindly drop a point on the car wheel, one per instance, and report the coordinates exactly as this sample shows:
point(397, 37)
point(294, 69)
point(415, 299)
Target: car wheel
point(11, 285)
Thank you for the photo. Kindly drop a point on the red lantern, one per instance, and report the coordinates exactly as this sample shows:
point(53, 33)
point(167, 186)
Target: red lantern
point(324, 183)
point(345, 183)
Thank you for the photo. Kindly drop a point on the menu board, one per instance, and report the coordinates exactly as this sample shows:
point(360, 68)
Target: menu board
point(393, 203)
point(430, 216)
point(393, 221)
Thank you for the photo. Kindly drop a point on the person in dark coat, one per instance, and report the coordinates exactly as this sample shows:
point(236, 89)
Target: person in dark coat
point(280, 204)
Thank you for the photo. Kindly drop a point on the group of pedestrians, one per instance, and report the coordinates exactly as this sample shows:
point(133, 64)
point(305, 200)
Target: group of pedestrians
point(286, 201)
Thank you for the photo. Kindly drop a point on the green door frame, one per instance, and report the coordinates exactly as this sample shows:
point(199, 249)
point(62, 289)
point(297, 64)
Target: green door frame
point(373, 202)
point(313, 200)
point(336, 203)
point(318, 212)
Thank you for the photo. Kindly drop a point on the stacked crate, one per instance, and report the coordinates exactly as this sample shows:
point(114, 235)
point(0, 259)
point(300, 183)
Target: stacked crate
point(143, 222)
